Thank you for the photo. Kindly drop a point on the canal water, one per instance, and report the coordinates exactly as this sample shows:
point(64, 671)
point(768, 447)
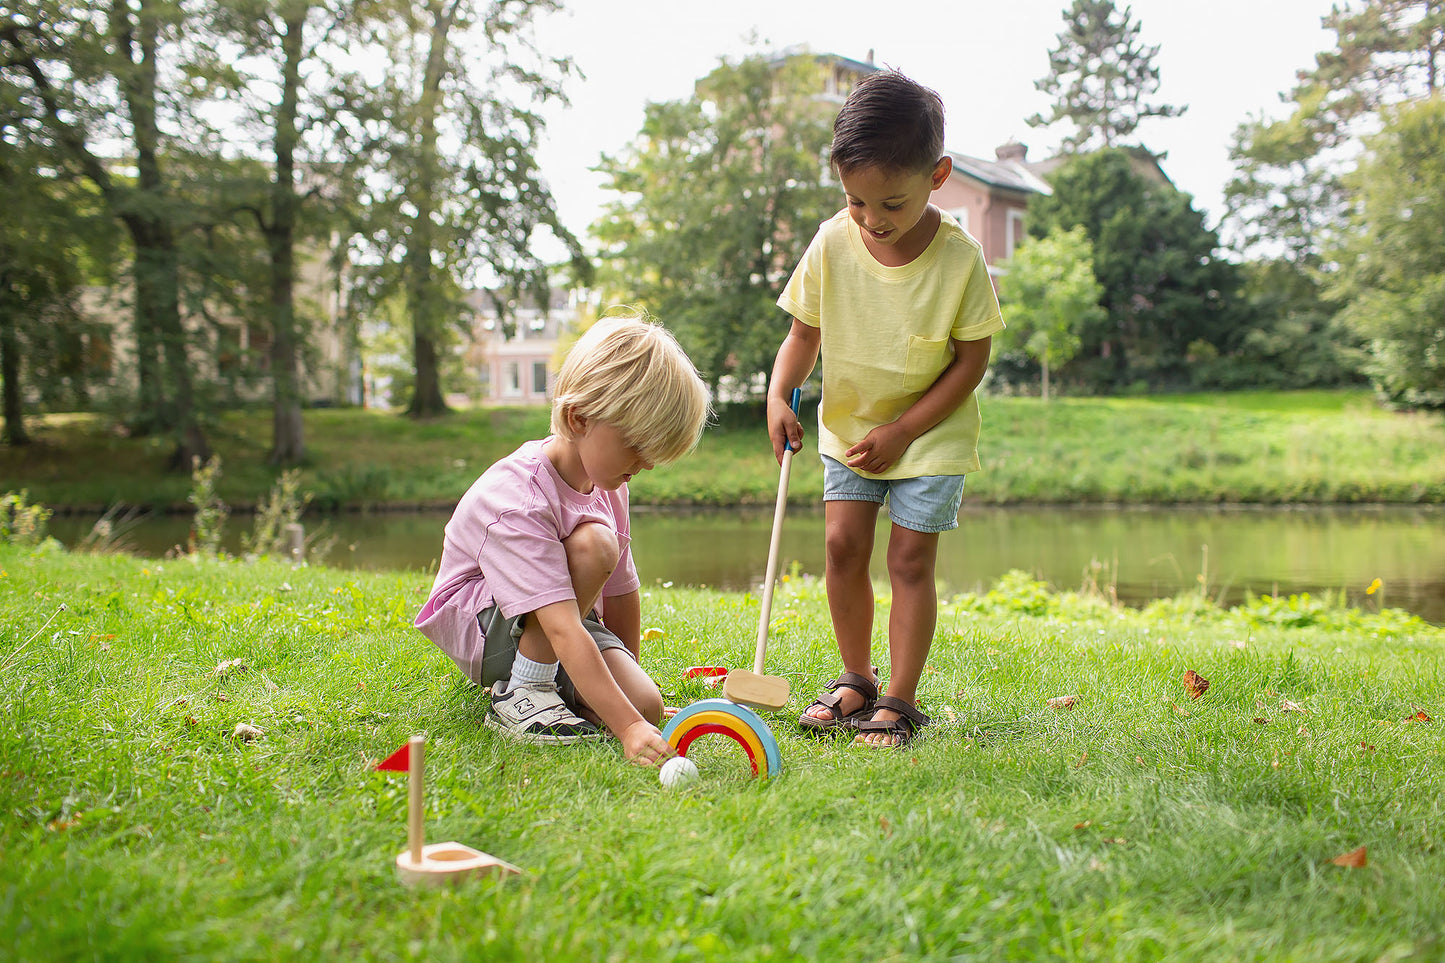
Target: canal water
point(1137, 553)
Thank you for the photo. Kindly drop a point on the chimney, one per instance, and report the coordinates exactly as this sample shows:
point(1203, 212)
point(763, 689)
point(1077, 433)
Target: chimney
point(869, 61)
point(1011, 151)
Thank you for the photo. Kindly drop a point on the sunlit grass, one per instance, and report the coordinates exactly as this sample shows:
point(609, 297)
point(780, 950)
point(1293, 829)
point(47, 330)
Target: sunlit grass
point(1140, 824)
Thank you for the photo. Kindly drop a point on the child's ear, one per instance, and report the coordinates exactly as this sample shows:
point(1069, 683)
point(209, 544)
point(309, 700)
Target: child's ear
point(575, 420)
point(941, 170)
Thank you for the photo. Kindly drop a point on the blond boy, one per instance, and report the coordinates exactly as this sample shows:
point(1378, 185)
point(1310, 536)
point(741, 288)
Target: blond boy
point(536, 594)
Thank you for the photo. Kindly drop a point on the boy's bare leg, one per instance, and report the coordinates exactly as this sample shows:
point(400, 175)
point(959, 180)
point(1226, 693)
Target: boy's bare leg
point(849, 541)
point(592, 556)
point(912, 561)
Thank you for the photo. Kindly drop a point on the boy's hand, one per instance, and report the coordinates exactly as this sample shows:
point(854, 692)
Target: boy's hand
point(643, 745)
point(783, 423)
point(880, 449)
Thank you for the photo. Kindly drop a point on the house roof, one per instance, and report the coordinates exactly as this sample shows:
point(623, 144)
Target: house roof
point(847, 63)
point(1144, 162)
point(1009, 175)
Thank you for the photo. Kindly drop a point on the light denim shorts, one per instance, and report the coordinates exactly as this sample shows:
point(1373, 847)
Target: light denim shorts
point(928, 503)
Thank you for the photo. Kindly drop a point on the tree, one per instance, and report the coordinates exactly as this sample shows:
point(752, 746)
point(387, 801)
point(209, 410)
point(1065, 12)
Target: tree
point(455, 200)
point(1100, 76)
point(284, 80)
point(1288, 196)
point(1164, 286)
point(87, 78)
point(718, 197)
point(1049, 293)
point(1392, 262)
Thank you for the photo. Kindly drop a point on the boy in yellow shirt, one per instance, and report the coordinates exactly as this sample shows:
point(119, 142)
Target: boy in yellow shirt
point(895, 296)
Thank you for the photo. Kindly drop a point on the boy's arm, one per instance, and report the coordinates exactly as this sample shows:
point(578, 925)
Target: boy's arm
point(796, 358)
point(884, 445)
point(642, 742)
point(623, 615)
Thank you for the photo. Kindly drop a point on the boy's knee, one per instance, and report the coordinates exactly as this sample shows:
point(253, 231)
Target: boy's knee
point(910, 564)
point(649, 704)
point(592, 547)
point(845, 547)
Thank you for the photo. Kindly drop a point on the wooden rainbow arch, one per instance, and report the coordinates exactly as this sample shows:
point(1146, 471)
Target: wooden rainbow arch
point(723, 718)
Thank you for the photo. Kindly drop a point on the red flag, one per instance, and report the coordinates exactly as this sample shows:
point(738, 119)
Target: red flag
point(399, 761)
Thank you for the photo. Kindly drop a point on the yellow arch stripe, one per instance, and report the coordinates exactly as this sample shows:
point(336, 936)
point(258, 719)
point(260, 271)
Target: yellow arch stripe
point(731, 723)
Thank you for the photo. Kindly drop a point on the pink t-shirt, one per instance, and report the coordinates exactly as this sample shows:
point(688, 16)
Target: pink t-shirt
point(503, 547)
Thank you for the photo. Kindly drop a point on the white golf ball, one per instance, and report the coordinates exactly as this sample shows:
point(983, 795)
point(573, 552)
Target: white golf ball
point(677, 771)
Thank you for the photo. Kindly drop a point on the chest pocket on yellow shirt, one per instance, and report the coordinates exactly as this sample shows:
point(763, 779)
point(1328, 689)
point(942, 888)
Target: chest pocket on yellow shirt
point(926, 360)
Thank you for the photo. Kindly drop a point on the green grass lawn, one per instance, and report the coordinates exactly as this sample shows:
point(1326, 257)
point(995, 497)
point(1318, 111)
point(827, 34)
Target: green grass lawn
point(1141, 824)
point(1255, 447)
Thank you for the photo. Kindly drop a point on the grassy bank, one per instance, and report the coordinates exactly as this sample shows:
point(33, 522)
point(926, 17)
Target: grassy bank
point(1269, 448)
point(1141, 824)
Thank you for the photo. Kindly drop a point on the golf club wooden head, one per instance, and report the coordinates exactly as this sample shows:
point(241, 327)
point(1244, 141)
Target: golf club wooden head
point(751, 689)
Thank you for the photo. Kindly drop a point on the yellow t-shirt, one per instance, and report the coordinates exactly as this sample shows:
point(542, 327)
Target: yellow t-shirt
point(887, 334)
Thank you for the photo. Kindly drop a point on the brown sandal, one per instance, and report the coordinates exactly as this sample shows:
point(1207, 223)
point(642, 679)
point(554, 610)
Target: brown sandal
point(833, 702)
point(902, 729)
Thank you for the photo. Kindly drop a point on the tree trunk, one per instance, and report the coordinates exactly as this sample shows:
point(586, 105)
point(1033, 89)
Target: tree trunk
point(14, 409)
point(1044, 364)
point(287, 428)
point(147, 217)
point(424, 301)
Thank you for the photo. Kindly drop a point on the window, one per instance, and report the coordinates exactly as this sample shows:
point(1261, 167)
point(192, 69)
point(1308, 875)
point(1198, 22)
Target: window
point(512, 380)
point(539, 377)
point(1013, 232)
point(960, 214)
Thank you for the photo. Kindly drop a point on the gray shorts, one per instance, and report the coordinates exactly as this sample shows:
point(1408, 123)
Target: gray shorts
point(500, 647)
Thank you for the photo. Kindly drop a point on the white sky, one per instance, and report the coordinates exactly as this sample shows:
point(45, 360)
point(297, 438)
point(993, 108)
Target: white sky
point(1226, 60)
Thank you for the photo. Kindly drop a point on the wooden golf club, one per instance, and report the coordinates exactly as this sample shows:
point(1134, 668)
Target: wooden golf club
point(753, 688)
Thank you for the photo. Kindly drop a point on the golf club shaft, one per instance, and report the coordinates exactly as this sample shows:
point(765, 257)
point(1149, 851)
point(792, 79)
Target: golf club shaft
point(773, 547)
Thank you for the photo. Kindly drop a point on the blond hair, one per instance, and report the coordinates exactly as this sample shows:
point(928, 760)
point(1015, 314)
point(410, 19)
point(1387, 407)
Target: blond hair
point(630, 373)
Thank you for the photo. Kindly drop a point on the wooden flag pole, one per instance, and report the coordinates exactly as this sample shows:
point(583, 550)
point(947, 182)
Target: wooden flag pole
point(440, 862)
point(416, 797)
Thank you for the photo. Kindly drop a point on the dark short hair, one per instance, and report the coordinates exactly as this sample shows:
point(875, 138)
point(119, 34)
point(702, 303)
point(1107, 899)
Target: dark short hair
point(890, 122)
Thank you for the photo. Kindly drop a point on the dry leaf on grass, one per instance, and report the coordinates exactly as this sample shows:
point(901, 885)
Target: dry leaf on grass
point(246, 732)
point(1354, 859)
point(1419, 715)
point(230, 665)
point(1062, 702)
point(1194, 683)
point(1287, 706)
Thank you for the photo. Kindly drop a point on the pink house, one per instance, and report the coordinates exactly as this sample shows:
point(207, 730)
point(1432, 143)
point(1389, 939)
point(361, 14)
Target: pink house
point(515, 359)
point(990, 199)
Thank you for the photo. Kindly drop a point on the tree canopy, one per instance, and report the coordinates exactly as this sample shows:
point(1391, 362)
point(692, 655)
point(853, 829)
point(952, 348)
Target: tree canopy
point(1392, 259)
point(718, 195)
point(1165, 286)
point(1101, 75)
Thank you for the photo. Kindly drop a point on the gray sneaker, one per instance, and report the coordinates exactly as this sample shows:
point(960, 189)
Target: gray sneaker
point(535, 712)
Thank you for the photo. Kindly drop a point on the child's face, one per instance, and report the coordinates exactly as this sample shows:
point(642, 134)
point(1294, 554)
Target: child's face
point(607, 458)
point(889, 204)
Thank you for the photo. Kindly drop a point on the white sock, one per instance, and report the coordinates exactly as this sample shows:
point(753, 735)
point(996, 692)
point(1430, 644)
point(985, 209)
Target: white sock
point(524, 670)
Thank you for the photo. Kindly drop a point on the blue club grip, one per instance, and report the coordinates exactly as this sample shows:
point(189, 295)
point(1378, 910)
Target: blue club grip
point(797, 397)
